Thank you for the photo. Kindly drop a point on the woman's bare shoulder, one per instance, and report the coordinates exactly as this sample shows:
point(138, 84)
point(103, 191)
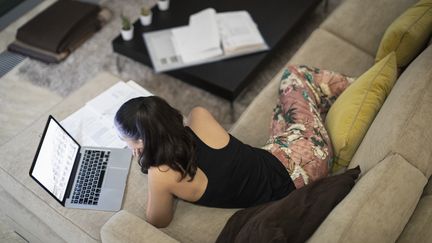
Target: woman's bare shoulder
point(207, 128)
point(162, 170)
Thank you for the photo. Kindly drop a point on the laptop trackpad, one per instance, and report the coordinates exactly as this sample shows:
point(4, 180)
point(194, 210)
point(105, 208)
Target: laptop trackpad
point(115, 178)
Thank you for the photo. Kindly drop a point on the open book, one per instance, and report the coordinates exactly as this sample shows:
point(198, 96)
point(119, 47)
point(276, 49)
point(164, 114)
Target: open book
point(209, 37)
point(200, 39)
point(93, 124)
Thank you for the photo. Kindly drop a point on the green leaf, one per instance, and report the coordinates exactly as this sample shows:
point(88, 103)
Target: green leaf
point(276, 111)
point(316, 142)
point(286, 74)
point(305, 95)
point(290, 115)
point(280, 143)
point(309, 77)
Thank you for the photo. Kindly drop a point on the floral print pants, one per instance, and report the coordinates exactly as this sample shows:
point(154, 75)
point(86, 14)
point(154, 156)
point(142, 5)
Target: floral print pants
point(298, 137)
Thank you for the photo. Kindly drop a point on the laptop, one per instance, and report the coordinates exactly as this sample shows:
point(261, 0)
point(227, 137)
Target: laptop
point(77, 176)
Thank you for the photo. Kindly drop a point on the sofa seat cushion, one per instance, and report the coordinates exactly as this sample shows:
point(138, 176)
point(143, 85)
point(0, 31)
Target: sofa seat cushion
point(378, 207)
point(408, 34)
point(419, 227)
point(402, 124)
point(17, 155)
point(354, 110)
point(253, 126)
point(322, 50)
point(21, 219)
point(363, 22)
point(190, 223)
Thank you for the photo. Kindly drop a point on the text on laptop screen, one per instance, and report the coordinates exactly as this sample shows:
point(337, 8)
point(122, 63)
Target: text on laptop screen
point(55, 160)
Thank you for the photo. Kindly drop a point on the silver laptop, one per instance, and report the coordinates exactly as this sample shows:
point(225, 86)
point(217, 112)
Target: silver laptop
point(80, 177)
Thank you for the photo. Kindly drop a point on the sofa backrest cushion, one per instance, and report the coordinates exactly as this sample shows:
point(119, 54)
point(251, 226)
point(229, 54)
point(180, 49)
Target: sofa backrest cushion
point(403, 123)
point(408, 34)
point(378, 207)
point(363, 22)
point(354, 110)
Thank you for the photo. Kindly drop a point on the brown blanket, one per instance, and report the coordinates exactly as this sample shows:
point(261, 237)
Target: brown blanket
point(294, 218)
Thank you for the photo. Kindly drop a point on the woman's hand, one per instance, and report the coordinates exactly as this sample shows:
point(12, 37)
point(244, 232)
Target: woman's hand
point(137, 152)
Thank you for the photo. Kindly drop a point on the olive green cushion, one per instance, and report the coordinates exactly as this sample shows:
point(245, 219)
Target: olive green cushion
point(354, 110)
point(408, 35)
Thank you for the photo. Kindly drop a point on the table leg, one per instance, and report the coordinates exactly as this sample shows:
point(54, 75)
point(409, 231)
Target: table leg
point(232, 112)
point(326, 3)
point(119, 64)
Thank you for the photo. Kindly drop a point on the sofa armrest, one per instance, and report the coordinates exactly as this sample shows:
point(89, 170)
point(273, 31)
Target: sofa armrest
point(126, 227)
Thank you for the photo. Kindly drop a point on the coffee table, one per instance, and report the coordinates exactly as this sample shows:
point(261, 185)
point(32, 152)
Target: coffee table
point(227, 78)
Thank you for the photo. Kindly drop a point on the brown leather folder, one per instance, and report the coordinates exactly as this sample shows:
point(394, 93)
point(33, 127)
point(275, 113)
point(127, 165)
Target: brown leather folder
point(60, 25)
point(53, 34)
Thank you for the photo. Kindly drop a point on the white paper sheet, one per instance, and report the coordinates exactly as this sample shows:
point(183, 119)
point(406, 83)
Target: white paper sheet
point(90, 129)
point(93, 124)
point(107, 103)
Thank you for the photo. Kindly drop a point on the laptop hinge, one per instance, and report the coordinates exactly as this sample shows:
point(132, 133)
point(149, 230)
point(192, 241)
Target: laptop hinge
point(73, 174)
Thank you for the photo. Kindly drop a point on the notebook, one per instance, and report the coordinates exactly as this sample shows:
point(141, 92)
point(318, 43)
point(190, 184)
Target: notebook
point(77, 176)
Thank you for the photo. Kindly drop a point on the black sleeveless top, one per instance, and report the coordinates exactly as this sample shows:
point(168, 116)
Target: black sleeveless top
point(240, 175)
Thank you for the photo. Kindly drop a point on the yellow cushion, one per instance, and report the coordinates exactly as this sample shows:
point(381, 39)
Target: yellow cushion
point(354, 110)
point(408, 34)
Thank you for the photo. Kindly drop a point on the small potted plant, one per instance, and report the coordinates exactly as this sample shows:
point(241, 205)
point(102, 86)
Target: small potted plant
point(127, 28)
point(146, 16)
point(163, 5)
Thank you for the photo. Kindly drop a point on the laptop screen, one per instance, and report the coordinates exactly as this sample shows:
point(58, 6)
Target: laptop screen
point(53, 163)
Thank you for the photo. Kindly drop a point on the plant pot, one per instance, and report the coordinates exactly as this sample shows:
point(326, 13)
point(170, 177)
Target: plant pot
point(127, 35)
point(163, 5)
point(146, 20)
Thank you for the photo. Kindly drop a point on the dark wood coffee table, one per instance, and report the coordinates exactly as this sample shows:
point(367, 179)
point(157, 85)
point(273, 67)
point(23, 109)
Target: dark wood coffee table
point(227, 78)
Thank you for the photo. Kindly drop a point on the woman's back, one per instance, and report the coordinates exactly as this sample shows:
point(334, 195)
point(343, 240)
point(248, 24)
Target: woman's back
point(240, 175)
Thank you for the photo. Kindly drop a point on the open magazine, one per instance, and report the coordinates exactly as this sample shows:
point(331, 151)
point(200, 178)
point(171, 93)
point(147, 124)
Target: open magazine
point(209, 37)
point(93, 124)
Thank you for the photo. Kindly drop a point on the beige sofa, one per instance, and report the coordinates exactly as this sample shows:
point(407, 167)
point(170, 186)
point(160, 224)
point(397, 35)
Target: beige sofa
point(389, 202)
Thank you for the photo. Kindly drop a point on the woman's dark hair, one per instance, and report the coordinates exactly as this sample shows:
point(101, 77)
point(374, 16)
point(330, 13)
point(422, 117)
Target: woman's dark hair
point(160, 126)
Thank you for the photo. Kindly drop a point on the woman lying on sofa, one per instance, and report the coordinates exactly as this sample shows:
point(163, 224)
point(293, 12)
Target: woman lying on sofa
point(201, 163)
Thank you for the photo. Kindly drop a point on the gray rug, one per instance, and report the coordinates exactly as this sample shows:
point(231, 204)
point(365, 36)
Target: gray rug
point(96, 55)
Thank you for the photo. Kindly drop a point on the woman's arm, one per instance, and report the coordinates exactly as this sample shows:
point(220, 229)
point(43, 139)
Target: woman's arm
point(160, 202)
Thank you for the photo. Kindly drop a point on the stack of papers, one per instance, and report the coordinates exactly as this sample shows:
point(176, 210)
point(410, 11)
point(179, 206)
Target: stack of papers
point(208, 37)
point(93, 124)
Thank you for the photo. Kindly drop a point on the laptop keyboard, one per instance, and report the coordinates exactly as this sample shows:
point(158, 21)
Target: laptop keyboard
point(89, 182)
